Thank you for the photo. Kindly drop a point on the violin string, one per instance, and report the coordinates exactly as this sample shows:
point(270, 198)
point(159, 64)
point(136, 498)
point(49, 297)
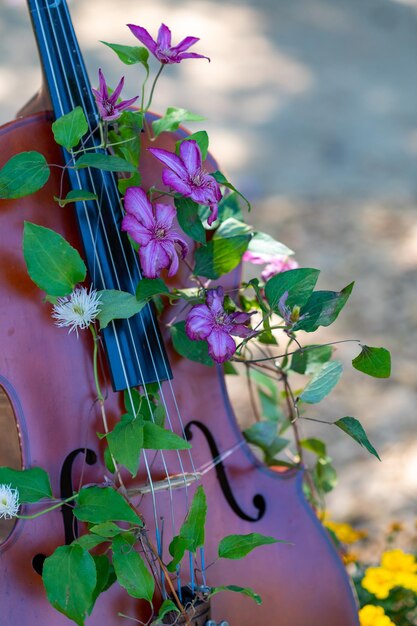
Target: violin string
point(88, 91)
point(150, 478)
point(91, 235)
point(117, 230)
point(160, 347)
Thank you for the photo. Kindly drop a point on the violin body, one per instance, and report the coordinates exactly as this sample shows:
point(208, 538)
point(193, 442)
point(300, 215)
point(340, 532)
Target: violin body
point(48, 377)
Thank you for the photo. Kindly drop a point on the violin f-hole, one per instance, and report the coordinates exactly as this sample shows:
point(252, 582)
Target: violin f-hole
point(66, 488)
point(258, 500)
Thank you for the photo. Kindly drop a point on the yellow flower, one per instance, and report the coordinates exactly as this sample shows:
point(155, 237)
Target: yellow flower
point(378, 581)
point(398, 561)
point(344, 532)
point(406, 580)
point(350, 557)
point(371, 615)
point(395, 527)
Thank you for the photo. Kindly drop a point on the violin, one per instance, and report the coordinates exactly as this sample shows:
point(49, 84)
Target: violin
point(48, 389)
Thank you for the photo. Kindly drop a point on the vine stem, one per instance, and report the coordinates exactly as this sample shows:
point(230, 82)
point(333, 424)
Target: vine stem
point(51, 508)
point(153, 87)
point(100, 399)
point(301, 349)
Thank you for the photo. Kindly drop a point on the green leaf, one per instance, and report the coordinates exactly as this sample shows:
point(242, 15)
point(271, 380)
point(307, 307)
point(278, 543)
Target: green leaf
point(53, 265)
point(311, 358)
point(89, 541)
point(107, 529)
point(261, 243)
point(201, 137)
point(238, 546)
point(69, 128)
point(132, 401)
point(32, 484)
point(353, 427)
point(130, 55)
point(191, 535)
point(192, 529)
point(172, 119)
point(231, 228)
point(76, 195)
point(270, 408)
point(246, 591)
point(222, 180)
point(106, 162)
point(317, 446)
point(126, 442)
point(105, 574)
point(23, 174)
point(157, 438)
point(166, 607)
point(189, 219)
point(322, 383)
point(103, 504)
point(324, 475)
point(220, 256)
point(229, 207)
point(193, 350)
point(299, 284)
point(264, 435)
point(322, 308)
point(117, 304)
point(70, 578)
point(123, 184)
point(374, 362)
point(230, 369)
point(131, 571)
point(149, 287)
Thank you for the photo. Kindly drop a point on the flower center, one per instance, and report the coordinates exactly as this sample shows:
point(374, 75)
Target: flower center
point(78, 309)
point(199, 178)
point(4, 501)
point(160, 233)
point(108, 106)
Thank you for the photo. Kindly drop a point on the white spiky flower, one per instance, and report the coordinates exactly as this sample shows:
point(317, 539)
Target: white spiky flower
point(9, 501)
point(77, 310)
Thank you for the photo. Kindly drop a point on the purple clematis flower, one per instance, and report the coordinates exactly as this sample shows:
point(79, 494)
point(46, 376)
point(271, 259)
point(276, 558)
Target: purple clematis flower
point(162, 49)
point(211, 322)
point(275, 264)
point(108, 106)
point(152, 230)
point(186, 176)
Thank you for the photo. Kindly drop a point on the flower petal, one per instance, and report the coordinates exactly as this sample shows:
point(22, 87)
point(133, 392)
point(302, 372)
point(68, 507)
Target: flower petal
point(116, 93)
point(191, 156)
point(164, 215)
point(170, 160)
point(164, 38)
point(214, 300)
point(102, 85)
point(185, 44)
point(153, 259)
point(177, 183)
point(136, 230)
point(221, 345)
point(137, 204)
point(143, 36)
point(190, 55)
point(199, 322)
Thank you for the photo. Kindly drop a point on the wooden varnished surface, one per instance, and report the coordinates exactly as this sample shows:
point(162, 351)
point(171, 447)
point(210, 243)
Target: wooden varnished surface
point(48, 376)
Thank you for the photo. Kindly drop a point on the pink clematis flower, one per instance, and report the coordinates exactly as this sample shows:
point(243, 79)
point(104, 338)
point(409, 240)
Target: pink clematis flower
point(187, 177)
point(108, 106)
point(152, 230)
point(211, 322)
point(162, 48)
point(275, 264)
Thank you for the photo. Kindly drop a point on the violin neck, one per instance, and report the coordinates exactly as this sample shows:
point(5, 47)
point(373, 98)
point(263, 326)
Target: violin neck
point(134, 347)
point(63, 67)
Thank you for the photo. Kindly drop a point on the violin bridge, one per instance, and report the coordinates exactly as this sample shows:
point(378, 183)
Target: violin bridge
point(176, 481)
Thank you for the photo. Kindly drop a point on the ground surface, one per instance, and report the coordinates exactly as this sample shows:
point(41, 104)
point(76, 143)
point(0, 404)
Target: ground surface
point(311, 106)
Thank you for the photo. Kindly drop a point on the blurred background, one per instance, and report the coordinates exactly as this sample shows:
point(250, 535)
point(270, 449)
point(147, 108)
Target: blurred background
point(311, 109)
